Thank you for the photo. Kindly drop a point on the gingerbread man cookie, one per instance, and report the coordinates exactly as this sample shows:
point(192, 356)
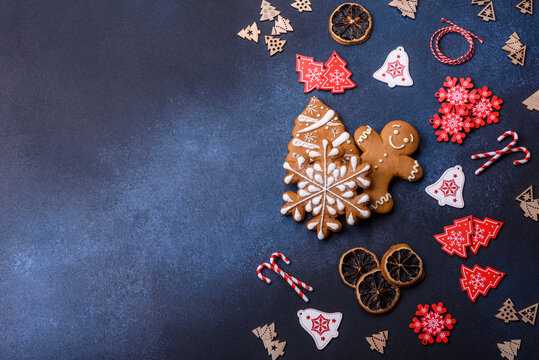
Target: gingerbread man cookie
point(388, 153)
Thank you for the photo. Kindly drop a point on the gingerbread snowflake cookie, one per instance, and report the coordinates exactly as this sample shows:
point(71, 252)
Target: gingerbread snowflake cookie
point(325, 164)
point(388, 152)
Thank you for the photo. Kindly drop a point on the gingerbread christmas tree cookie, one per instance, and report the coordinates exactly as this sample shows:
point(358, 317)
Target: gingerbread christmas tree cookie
point(388, 152)
point(325, 164)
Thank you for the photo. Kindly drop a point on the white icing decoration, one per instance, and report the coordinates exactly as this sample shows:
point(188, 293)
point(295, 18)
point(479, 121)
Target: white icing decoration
point(381, 201)
point(297, 215)
point(288, 179)
point(364, 134)
point(415, 170)
point(326, 118)
point(396, 132)
point(314, 154)
point(411, 138)
point(334, 152)
point(304, 118)
point(353, 163)
point(300, 143)
point(393, 145)
point(312, 225)
point(301, 161)
point(333, 226)
point(341, 139)
point(350, 220)
point(287, 197)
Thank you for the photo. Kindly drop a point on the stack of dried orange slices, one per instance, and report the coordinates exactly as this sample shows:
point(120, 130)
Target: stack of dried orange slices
point(378, 285)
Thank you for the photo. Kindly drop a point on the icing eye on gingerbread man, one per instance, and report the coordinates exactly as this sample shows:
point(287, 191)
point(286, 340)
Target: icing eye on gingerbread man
point(401, 136)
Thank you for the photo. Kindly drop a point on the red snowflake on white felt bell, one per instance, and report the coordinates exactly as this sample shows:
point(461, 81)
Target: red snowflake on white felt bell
point(395, 71)
point(320, 324)
point(432, 324)
point(449, 188)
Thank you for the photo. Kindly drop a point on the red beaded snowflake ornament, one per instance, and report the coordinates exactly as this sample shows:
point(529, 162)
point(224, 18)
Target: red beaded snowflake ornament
point(432, 324)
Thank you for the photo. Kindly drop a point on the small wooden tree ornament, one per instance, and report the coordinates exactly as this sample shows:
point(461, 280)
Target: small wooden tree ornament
point(268, 11)
point(487, 13)
point(518, 57)
point(281, 26)
point(250, 33)
point(378, 341)
point(274, 44)
point(525, 7)
point(302, 5)
point(509, 349)
point(532, 102)
point(507, 312)
point(479, 2)
point(406, 7)
point(513, 44)
point(529, 314)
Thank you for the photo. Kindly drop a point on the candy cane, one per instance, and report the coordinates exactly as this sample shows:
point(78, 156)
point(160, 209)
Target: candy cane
point(292, 281)
point(445, 30)
point(285, 275)
point(506, 150)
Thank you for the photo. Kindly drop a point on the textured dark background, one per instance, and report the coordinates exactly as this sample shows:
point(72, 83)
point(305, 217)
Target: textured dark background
point(141, 145)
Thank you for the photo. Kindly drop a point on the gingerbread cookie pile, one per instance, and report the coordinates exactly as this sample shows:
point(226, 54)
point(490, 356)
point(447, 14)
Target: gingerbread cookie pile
point(332, 176)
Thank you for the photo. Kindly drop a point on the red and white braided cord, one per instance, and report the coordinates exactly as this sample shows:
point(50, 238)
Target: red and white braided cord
point(448, 29)
point(506, 150)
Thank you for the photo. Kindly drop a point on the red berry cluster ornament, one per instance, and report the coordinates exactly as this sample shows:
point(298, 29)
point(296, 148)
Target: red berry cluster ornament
point(463, 109)
point(333, 75)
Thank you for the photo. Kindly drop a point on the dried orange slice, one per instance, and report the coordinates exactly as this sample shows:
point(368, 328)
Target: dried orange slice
point(356, 262)
point(350, 24)
point(401, 266)
point(375, 294)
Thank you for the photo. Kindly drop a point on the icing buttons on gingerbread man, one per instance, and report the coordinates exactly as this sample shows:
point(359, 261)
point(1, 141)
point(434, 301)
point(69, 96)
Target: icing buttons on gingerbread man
point(388, 152)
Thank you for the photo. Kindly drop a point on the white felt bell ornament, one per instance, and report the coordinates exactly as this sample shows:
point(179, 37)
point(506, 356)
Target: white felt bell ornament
point(395, 71)
point(448, 189)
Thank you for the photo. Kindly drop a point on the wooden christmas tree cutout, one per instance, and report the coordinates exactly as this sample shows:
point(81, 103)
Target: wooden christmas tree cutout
point(513, 44)
point(302, 5)
point(532, 102)
point(275, 44)
point(268, 11)
point(479, 2)
point(517, 51)
point(509, 349)
point(507, 312)
point(406, 7)
point(267, 333)
point(378, 341)
point(525, 7)
point(528, 204)
point(487, 13)
point(281, 26)
point(519, 56)
point(529, 314)
point(250, 33)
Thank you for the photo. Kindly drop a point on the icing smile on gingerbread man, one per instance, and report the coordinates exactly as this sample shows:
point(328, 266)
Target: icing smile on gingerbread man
point(404, 141)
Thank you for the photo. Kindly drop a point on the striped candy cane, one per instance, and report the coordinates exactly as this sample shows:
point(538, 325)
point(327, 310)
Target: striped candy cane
point(285, 275)
point(506, 150)
point(292, 281)
point(445, 30)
